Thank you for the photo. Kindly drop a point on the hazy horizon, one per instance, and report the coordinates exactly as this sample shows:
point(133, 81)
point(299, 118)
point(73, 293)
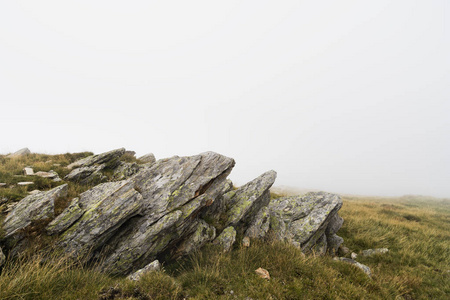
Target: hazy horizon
point(349, 97)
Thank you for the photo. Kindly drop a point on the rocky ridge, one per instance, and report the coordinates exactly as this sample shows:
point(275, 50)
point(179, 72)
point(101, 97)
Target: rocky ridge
point(162, 209)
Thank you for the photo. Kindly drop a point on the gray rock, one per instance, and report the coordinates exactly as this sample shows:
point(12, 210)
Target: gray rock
point(51, 174)
point(69, 216)
point(2, 184)
point(370, 252)
point(86, 175)
point(34, 192)
point(2, 257)
point(364, 268)
point(25, 183)
point(130, 153)
point(32, 208)
point(333, 243)
point(107, 158)
point(174, 206)
point(320, 246)
point(226, 239)
point(126, 170)
point(131, 222)
point(147, 158)
point(20, 152)
point(260, 225)
point(104, 209)
point(151, 267)
point(303, 220)
point(27, 171)
point(248, 200)
point(218, 207)
point(246, 242)
point(353, 255)
point(203, 234)
point(90, 170)
point(179, 185)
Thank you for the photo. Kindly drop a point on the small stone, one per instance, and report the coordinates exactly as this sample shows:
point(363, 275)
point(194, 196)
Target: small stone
point(50, 174)
point(246, 242)
point(343, 250)
point(28, 171)
point(153, 266)
point(364, 268)
point(354, 255)
point(263, 273)
point(2, 184)
point(34, 192)
point(25, 183)
point(370, 252)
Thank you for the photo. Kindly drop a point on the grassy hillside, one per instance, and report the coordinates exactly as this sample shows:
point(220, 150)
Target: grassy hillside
point(416, 231)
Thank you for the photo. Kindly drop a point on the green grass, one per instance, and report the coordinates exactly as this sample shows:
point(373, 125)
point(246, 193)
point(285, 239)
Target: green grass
point(415, 229)
point(11, 172)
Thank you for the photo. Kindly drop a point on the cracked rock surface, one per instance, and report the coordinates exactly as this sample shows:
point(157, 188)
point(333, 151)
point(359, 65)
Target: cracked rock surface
point(171, 207)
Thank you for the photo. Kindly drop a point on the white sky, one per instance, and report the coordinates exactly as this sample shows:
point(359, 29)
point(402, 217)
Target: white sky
point(343, 96)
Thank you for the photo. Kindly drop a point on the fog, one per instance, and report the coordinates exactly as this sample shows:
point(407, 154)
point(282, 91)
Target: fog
point(343, 96)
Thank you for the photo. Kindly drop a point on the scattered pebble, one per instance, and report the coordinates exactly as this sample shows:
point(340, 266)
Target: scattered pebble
point(263, 273)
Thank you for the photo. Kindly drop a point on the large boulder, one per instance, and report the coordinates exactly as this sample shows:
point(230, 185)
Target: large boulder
point(130, 222)
point(245, 203)
point(33, 208)
point(307, 220)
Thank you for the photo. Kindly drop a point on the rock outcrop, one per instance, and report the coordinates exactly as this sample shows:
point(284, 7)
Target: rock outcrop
point(154, 266)
point(307, 221)
point(170, 208)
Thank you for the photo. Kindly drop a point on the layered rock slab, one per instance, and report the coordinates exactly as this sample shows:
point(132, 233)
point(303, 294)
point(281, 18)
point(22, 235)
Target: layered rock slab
point(33, 208)
point(170, 208)
point(128, 223)
point(306, 221)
